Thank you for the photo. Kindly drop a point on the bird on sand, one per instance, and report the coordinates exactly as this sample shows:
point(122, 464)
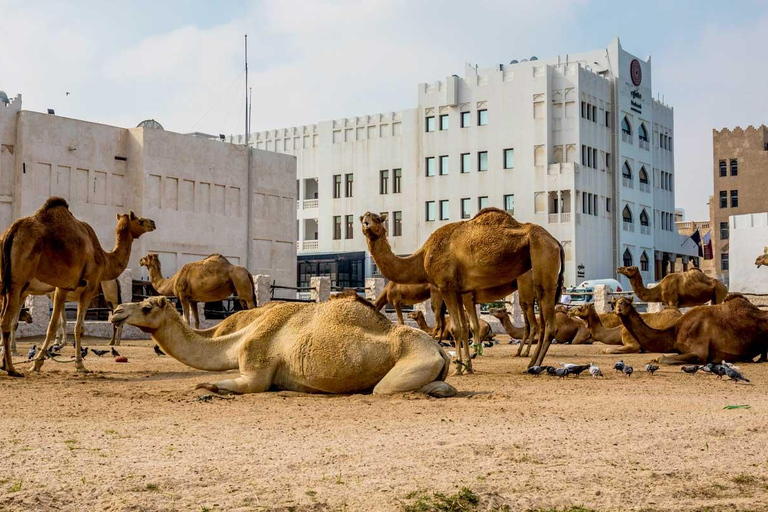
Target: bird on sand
point(735, 375)
point(568, 365)
point(535, 370)
point(32, 352)
point(83, 351)
point(99, 352)
point(650, 368)
point(729, 365)
point(619, 366)
point(577, 369)
point(115, 353)
point(158, 351)
point(595, 370)
point(558, 372)
point(628, 370)
point(692, 368)
point(708, 368)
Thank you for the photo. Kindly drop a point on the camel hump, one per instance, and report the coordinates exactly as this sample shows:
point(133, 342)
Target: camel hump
point(216, 256)
point(350, 294)
point(495, 216)
point(734, 296)
point(54, 202)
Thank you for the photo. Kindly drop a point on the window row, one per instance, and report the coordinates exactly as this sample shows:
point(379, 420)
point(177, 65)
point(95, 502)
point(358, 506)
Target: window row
point(724, 199)
point(723, 231)
point(667, 221)
point(348, 180)
point(589, 112)
point(626, 216)
point(724, 168)
point(349, 225)
point(434, 165)
point(642, 133)
point(589, 204)
point(644, 261)
point(588, 156)
point(666, 181)
point(665, 142)
point(441, 209)
point(442, 122)
point(626, 172)
point(397, 179)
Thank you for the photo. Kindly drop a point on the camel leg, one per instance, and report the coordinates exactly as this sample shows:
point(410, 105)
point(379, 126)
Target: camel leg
point(14, 350)
point(185, 311)
point(687, 358)
point(195, 313)
point(399, 311)
point(59, 296)
point(460, 332)
point(533, 331)
point(250, 381)
point(548, 324)
point(11, 309)
point(416, 372)
point(469, 307)
point(61, 333)
point(622, 349)
point(82, 309)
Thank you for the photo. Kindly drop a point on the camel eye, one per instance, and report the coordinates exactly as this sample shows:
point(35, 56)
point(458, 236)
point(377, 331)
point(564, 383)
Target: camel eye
point(146, 309)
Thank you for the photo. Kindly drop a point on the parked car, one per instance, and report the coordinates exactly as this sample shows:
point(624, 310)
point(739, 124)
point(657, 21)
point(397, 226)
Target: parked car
point(582, 294)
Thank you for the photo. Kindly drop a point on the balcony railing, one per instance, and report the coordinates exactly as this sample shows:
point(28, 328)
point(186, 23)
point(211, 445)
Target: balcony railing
point(627, 182)
point(554, 218)
point(629, 226)
point(626, 137)
point(310, 203)
point(310, 245)
point(645, 145)
point(645, 187)
point(646, 230)
point(565, 217)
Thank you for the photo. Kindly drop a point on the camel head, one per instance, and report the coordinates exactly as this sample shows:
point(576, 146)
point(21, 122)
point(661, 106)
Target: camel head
point(148, 315)
point(25, 316)
point(762, 259)
point(373, 225)
point(414, 315)
point(499, 313)
point(581, 311)
point(630, 272)
point(149, 260)
point(623, 306)
point(136, 225)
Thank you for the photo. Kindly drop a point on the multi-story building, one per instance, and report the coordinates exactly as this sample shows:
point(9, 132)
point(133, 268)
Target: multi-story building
point(575, 143)
point(740, 169)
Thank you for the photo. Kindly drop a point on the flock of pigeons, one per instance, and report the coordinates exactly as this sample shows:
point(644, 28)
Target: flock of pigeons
point(566, 369)
point(55, 351)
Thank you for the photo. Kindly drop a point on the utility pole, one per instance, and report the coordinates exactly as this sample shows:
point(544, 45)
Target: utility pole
point(249, 209)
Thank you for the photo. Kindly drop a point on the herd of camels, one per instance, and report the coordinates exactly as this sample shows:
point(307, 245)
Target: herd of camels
point(347, 345)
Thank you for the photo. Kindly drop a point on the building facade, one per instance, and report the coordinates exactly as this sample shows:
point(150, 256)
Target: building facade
point(748, 239)
point(195, 189)
point(574, 143)
point(740, 170)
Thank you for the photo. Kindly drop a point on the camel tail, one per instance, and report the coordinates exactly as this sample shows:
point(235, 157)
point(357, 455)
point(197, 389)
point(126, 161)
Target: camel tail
point(561, 276)
point(446, 365)
point(6, 259)
point(253, 290)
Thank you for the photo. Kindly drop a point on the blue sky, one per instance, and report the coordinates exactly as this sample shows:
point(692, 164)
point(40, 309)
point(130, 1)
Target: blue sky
point(181, 62)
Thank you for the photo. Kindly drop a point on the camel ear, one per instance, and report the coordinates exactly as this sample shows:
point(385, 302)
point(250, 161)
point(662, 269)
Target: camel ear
point(383, 217)
point(361, 218)
point(162, 301)
point(765, 250)
point(133, 215)
point(118, 216)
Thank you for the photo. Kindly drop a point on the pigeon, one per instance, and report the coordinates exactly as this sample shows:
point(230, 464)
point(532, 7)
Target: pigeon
point(32, 352)
point(535, 370)
point(57, 348)
point(708, 368)
point(619, 366)
point(488, 344)
point(99, 352)
point(719, 370)
point(595, 370)
point(628, 370)
point(561, 372)
point(568, 365)
point(577, 369)
point(51, 353)
point(550, 370)
point(729, 365)
point(115, 353)
point(734, 375)
point(83, 352)
point(650, 368)
point(690, 368)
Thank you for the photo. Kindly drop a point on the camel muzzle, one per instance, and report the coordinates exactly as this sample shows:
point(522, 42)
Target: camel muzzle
point(118, 316)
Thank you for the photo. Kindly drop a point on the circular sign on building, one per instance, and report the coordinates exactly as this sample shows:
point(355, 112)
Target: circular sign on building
point(636, 72)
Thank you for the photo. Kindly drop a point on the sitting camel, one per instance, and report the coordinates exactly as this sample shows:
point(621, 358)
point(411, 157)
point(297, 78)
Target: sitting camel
point(340, 346)
point(734, 330)
point(208, 280)
point(762, 259)
point(447, 331)
point(569, 330)
point(681, 289)
point(607, 328)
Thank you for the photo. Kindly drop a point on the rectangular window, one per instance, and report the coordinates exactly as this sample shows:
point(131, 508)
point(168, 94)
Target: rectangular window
point(608, 204)
point(350, 227)
point(734, 167)
point(336, 186)
point(589, 157)
point(348, 182)
point(430, 166)
point(594, 204)
point(444, 122)
point(337, 227)
point(482, 161)
point(429, 123)
point(723, 231)
point(482, 117)
point(594, 158)
point(594, 113)
point(589, 112)
point(466, 163)
point(583, 109)
point(482, 202)
point(383, 182)
point(444, 213)
point(509, 158)
point(583, 155)
point(398, 176)
point(443, 165)
point(723, 169)
point(724, 261)
point(723, 199)
point(608, 161)
point(397, 223)
point(509, 203)
point(734, 198)
point(607, 119)
point(466, 119)
point(430, 211)
point(465, 208)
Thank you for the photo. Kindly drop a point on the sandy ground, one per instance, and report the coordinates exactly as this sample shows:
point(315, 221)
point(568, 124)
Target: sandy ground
point(135, 437)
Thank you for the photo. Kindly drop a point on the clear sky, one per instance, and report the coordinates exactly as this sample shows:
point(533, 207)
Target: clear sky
point(180, 62)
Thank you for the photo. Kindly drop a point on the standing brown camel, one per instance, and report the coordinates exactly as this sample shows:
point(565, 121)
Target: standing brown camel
point(400, 295)
point(763, 258)
point(211, 279)
point(57, 249)
point(681, 289)
point(491, 249)
point(448, 329)
point(734, 330)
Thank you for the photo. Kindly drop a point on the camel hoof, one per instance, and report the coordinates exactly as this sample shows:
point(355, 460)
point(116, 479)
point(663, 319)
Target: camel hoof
point(213, 388)
point(14, 373)
point(83, 369)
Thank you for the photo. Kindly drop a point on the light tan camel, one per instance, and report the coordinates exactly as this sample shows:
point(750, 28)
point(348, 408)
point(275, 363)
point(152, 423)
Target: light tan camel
point(448, 329)
point(681, 289)
point(490, 250)
point(57, 249)
point(400, 295)
point(339, 346)
point(208, 280)
point(734, 330)
point(569, 330)
point(762, 259)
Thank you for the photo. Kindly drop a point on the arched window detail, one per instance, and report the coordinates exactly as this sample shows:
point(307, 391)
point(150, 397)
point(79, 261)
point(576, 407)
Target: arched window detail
point(626, 214)
point(644, 218)
point(627, 258)
point(642, 133)
point(643, 175)
point(626, 126)
point(644, 262)
point(626, 170)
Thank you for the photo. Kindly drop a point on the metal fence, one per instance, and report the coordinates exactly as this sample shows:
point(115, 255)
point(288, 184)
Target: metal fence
point(303, 293)
point(217, 310)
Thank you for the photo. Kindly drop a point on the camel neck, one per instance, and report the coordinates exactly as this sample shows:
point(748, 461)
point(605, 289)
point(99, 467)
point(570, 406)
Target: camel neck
point(408, 270)
point(181, 342)
point(161, 285)
point(422, 322)
point(117, 259)
point(652, 340)
point(643, 293)
point(509, 327)
point(593, 321)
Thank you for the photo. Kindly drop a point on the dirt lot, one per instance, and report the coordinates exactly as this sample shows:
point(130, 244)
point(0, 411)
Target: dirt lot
point(135, 437)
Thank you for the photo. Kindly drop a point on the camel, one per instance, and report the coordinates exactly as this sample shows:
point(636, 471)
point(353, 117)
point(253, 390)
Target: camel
point(55, 248)
point(400, 295)
point(607, 328)
point(490, 250)
point(208, 280)
point(734, 330)
point(340, 346)
point(448, 329)
point(678, 290)
point(763, 258)
point(569, 330)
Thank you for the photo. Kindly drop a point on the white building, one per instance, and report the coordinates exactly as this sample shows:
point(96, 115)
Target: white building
point(195, 189)
point(748, 239)
point(575, 143)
